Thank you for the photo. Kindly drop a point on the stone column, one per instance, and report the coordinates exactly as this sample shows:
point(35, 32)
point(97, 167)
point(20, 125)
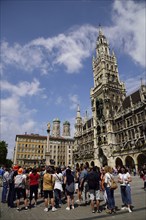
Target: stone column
point(47, 153)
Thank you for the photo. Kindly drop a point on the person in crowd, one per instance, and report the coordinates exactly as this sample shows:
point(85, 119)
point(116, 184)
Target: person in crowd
point(58, 177)
point(142, 173)
point(27, 183)
point(110, 192)
point(70, 188)
point(5, 185)
point(63, 170)
point(20, 188)
point(124, 178)
point(77, 184)
point(84, 184)
point(144, 178)
point(93, 179)
point(11, 194)
point(1, 175)
point(41, 180)
point(48, 187)
point(102, 177)
point(34, 184)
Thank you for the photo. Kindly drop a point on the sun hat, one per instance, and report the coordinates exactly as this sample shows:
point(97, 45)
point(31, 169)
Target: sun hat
point(20, 171)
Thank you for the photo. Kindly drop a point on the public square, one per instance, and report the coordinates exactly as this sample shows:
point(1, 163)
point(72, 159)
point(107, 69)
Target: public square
point(83, 212)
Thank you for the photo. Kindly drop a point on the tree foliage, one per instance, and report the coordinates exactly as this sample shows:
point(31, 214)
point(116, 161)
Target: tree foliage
point(3, 152)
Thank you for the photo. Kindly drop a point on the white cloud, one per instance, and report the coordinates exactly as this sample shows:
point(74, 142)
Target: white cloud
point(59, 100)
point(133, 83)
point(22, 89)
point(16, 118)
point(128, 32)
point(69, 50)
point(74, 101)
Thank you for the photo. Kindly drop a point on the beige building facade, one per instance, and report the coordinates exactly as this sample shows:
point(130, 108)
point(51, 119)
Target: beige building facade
point(31, 149)
point(116, 132)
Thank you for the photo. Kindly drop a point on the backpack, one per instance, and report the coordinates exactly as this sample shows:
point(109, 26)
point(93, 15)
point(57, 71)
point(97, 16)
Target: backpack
point(11, 177)
point(19, 181)
point(92, 181)
point(70, 187)
point(1, 172)
point(113, 184)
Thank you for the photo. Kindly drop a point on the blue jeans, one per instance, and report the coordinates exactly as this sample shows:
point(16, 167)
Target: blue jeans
point(110, 198)
point(126, 195)
point(84, 192)
point(4, 192)
point(57, 193)
point(11, 195)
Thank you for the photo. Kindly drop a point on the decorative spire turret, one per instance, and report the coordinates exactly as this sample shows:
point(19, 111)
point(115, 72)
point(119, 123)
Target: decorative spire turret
point(102, 46)
point(78, 124)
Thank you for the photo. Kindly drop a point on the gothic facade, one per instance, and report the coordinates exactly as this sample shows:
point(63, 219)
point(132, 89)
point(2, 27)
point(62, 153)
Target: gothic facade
point(116, 133)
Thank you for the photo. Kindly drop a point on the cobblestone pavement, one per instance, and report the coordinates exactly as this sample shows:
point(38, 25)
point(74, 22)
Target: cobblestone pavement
point(83, 212)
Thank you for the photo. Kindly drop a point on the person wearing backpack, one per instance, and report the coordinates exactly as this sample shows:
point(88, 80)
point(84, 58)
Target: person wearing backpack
point(11, 194)
point(20, 188)
point(93, 180)
point(58, 177)
point(48, 187)
point(1, 175)
point(83, 184)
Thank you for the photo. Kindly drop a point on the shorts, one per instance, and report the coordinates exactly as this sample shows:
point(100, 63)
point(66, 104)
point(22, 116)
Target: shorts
point(48, 192)
point(20, 193)
point(69, 193)
point(94, 194)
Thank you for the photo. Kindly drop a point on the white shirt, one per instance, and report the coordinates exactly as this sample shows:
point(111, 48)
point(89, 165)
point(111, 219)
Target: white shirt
point(58, 181)
point(107, 179)
point(124, 177)
point(5, 177)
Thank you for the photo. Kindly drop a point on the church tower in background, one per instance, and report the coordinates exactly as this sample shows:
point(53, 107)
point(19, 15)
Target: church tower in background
point(56, 128)
point(66, 129)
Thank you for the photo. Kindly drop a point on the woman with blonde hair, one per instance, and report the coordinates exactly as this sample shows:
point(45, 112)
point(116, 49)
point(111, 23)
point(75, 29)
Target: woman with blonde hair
point(109, 191)
point(102, 177)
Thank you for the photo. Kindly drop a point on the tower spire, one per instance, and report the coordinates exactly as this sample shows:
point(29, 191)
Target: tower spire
point(78, 112)
point(100, 30)
point(78, 124)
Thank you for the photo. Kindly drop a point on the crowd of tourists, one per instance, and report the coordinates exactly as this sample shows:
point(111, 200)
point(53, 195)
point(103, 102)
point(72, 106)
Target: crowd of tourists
point(58, 185)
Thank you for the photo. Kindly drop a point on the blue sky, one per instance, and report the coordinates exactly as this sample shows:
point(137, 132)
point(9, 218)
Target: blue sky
point(46, 58)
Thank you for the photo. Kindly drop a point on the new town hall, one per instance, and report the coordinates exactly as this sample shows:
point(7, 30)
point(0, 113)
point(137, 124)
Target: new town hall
point(116, 133)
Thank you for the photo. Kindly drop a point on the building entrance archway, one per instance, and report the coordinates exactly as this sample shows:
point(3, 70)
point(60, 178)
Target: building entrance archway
point(87, 164)
point(92, 164)
point(129, 162)
point(118, 162)
point(77, 165)
point(141, 160)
